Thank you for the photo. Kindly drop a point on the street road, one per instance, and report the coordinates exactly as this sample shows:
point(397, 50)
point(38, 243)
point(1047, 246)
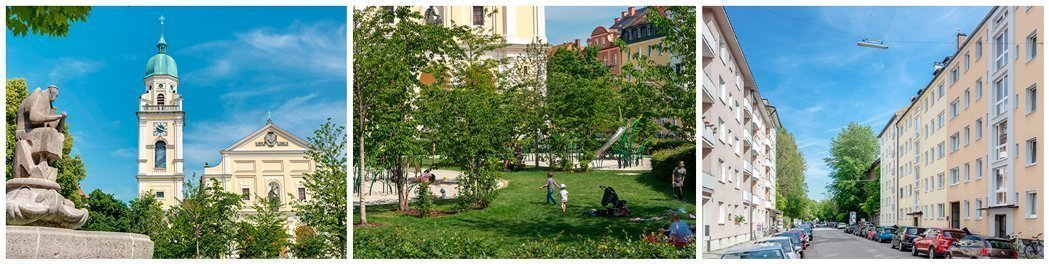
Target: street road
point(830, 243)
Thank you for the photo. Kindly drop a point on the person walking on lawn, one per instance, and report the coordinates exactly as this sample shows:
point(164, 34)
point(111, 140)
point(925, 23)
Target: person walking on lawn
point(564, 199)
point(677, 179)
point(550, 185)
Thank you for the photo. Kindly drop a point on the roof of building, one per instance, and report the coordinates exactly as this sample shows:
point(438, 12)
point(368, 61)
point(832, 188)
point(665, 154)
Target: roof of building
point(162, 63)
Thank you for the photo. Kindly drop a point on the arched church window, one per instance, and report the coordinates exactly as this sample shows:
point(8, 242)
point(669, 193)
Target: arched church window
point(160, 99)
point(160, 150)
point(274, 195)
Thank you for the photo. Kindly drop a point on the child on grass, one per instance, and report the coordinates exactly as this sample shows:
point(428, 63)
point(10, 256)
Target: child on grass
point(564, 199)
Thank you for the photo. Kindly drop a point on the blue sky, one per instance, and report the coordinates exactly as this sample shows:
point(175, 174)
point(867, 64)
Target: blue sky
point(567, 23)
point(235, 64)
point(806, 62)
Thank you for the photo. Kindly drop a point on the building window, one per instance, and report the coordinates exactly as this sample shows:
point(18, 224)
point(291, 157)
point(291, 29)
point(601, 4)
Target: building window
point(1032, 151)
point(979, 168)
point(159, 195)
point(1032, 98)
point(955, 177)
point(160, 99)
point(1032, 204)
point(721, 170)
point(954, 108)
point(955, 142)
point(1001, 96)
point(940, 92)
point(721, 88)
point(478, 15)
point(160, 150)
point(1001, 191)
point(966, 135)
point(979, 50)
point(721, 130)
point(939, 121)
point(979, 128)
point(273, 194)
point(245, 194)
point(389, 10)
point(1001, 50)
point(1032, 45)
point(302, 194)
point(966, 101)
point(940, 150)
point(979, 205)
point(979, 89)
point(939, 181)
point(954, 77)
point(966, 171)
point(721, 213)
point(940, 209)
point(966, 204)
point(1001, 140)
point(966, 61)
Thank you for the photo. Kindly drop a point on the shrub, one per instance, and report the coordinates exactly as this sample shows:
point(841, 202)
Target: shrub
point(662, 144)
point(424, 203)
point(664, 162)
point(477, 190)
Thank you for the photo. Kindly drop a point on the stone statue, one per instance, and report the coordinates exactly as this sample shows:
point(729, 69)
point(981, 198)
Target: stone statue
point(32, 195)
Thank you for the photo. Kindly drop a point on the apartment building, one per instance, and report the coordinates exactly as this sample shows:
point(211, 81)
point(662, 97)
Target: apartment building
point(519, 25)
point(739, 130)
point(888, 182)
point(977, 124)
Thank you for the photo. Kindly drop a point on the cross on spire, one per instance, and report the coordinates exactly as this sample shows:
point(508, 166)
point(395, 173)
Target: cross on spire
point(269, 117)
point(161, 24)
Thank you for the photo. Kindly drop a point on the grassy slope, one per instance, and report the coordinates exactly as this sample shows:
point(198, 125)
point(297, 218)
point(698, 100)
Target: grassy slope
point(519, 214)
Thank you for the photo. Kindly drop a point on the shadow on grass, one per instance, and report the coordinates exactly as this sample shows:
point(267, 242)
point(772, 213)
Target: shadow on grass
point(664, 186)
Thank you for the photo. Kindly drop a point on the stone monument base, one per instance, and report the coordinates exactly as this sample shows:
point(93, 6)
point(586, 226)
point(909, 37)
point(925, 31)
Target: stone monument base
point(34, 242)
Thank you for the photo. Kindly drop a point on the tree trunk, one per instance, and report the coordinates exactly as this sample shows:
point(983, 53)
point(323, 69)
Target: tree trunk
point(402, 182)
point(360, 164)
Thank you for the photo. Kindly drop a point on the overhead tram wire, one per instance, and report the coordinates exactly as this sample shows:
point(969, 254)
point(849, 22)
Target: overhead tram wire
point(810, 23)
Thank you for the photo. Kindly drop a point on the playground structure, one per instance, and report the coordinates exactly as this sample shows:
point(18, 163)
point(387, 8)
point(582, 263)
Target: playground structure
point(625, 150)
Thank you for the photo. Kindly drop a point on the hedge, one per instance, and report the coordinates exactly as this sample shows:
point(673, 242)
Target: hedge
point(664, 144)
point(664, 162)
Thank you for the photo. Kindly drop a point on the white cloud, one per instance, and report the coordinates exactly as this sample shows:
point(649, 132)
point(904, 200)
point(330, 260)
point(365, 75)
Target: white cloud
point(67, 68)
point(123, 153)
point(318, 48)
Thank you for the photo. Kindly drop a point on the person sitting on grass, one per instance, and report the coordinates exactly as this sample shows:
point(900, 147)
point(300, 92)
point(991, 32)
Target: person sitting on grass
point(550, 185)
point(564, 199)
point(680, 233)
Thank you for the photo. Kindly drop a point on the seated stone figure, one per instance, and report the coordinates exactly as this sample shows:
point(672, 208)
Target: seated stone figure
point(32, 195)
point(39, 136)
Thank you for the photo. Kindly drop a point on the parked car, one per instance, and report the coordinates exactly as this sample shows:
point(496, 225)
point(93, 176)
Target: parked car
point(885, 234)
point(808, 231)
point(758, 251)
point(796, 237)
point(904, 238)
point(976, 246)
point(794, 251)
point(935, 241)
point(841, 225)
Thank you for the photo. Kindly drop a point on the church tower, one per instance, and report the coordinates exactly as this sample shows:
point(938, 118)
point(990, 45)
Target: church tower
point(160, 122)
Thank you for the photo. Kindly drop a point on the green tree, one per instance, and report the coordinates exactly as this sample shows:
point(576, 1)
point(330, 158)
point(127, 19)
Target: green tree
point(527, 85)
point(676, 81)
point(582, 104)
point(70, 167)
point(851, 153)
point(325, 210)
point(872, 202)
point(51, 21)
point(263, 235)
point(790, 174)
point(307, 243)
point(146, 216)
point(204, 224)
point(106, 213)
point(390, 60)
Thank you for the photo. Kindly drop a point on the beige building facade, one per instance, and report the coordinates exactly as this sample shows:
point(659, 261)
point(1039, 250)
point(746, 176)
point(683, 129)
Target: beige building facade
point(519, 25)
point(268, 163)
point(992, 171)
point(739, 131)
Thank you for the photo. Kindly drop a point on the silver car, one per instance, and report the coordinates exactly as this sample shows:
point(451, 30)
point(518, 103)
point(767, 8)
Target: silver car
point(756, 251)
point(793, 251)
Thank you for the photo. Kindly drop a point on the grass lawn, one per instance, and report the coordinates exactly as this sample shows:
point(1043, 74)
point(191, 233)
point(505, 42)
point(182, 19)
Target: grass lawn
point(518, 216)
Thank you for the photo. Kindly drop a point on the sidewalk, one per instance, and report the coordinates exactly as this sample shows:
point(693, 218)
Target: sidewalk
point(716, 254)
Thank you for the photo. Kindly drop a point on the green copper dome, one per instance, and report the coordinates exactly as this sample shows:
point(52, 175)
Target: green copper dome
point(161, 63)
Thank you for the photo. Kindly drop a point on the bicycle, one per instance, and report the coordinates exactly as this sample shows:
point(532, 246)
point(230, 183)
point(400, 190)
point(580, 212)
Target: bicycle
point(1028, 248)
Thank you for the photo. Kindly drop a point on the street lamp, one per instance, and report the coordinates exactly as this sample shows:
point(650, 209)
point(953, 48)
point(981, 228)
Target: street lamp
point(872, 43)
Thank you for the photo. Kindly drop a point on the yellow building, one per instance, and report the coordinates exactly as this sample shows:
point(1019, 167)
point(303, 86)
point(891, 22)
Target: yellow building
point(269, 162)
point(160, 123)
point(519, 25)
point(641, 37)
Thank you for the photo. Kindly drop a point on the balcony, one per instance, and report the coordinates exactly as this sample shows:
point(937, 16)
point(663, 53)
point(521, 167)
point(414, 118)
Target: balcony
point(1001, 152)
point(770, 204)
point(710, 90)
point(747, 198)
point(748, 113)
point(1001, 107)
point(160, 108)
point(709, 44)
point(748, 139)
point(708, 137)
point(708, 181)
point(748, 168)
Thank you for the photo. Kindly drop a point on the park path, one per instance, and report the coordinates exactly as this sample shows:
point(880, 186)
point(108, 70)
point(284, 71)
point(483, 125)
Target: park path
point(599, 164)
point(445, 179)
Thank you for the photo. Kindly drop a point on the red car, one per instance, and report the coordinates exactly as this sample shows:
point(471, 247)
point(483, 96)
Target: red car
point(936, 241)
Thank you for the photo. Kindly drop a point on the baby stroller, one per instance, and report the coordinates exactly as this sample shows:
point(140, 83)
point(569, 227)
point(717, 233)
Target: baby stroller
point(614, 207)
